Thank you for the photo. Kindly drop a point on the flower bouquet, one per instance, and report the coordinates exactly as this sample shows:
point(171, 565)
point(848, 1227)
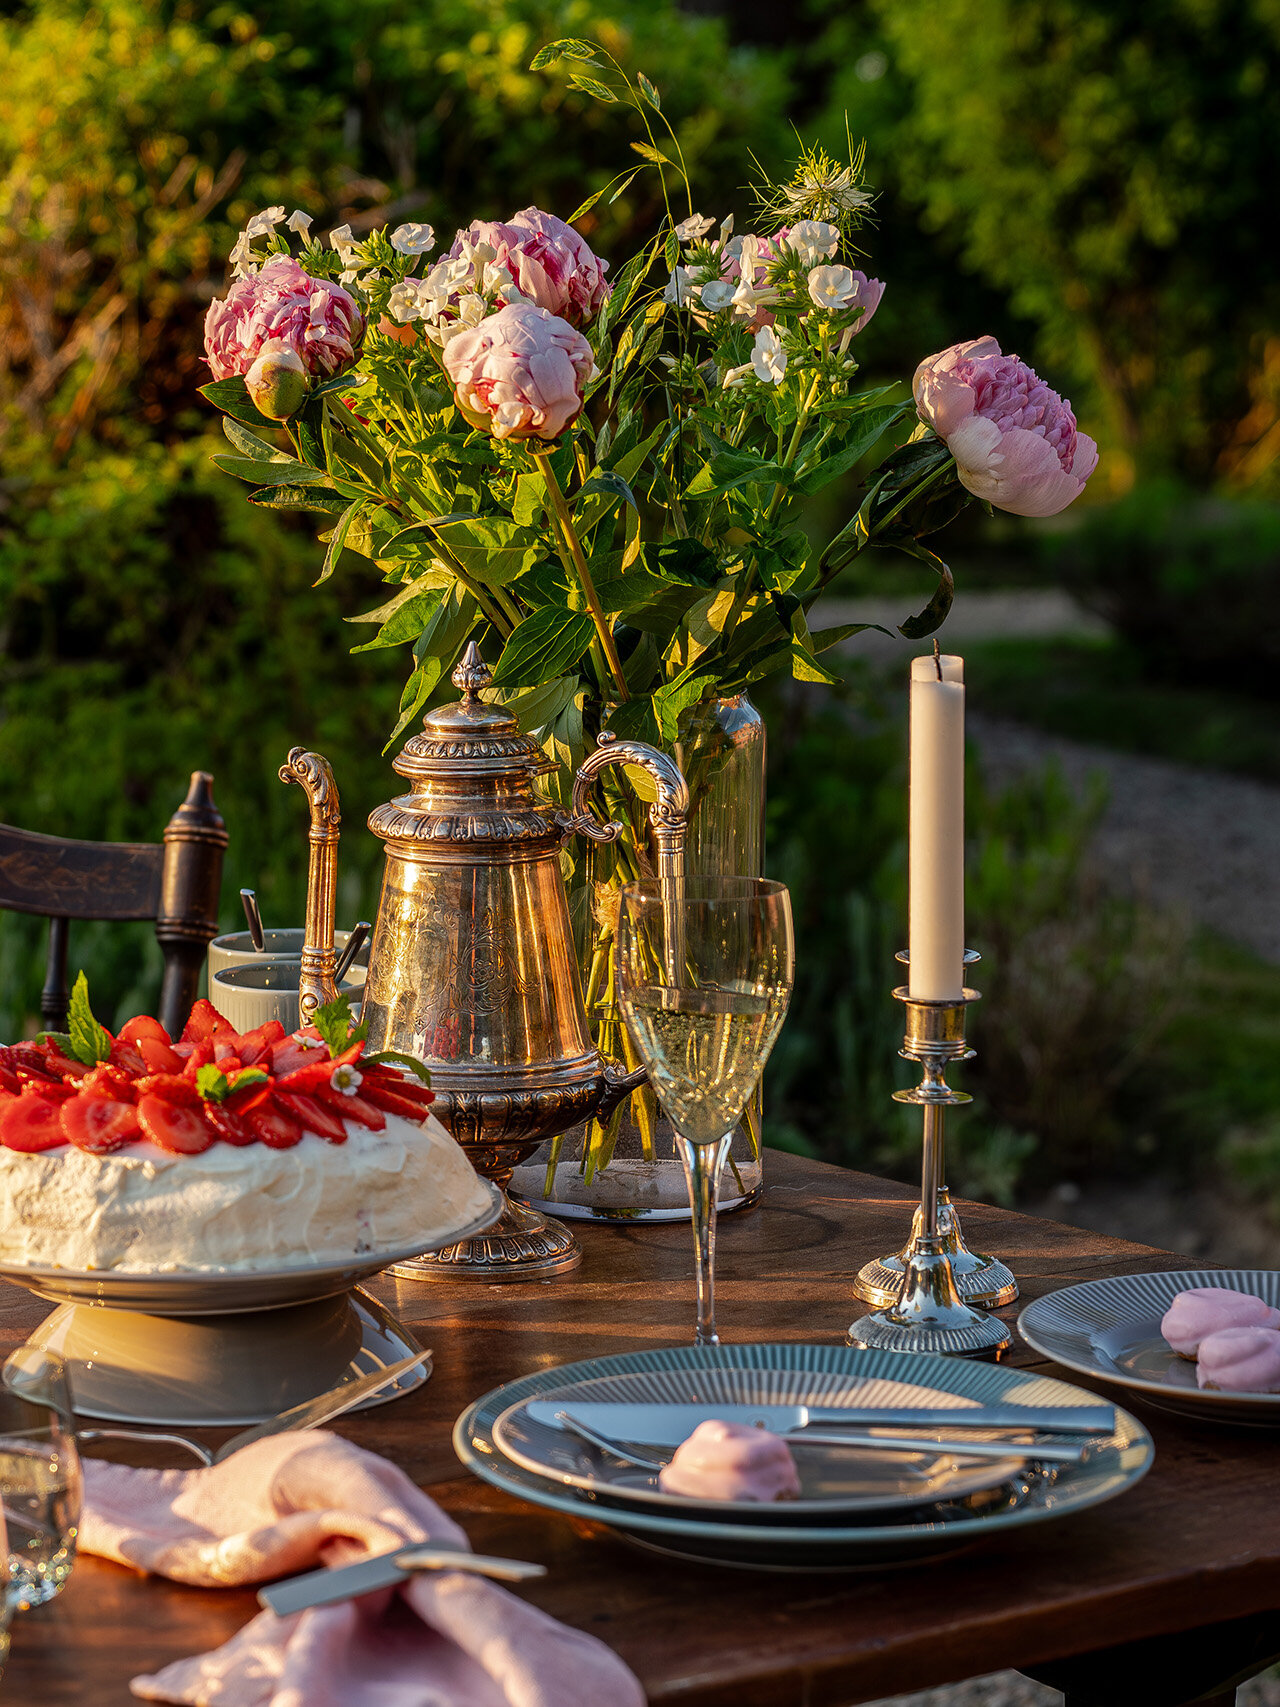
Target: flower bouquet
point(599, 472)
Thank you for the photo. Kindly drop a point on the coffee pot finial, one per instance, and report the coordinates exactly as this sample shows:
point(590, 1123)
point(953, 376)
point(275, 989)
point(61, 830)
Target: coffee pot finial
point(472, 675)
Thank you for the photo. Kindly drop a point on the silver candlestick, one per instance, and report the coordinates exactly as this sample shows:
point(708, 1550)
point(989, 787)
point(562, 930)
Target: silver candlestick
point(926, 1311)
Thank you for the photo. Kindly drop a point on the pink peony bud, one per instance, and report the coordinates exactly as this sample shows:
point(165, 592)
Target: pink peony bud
point(278, 381)
point(1014, 441)
point(519, 374)
point(549, 263)
point(281, 304)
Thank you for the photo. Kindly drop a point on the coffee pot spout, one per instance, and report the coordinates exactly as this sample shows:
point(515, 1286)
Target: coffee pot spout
point(314, 775)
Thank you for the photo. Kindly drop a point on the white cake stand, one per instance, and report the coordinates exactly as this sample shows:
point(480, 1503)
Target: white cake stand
point(217, 1350)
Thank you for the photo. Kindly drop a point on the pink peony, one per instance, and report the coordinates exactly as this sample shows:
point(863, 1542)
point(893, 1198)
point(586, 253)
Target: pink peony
point(866, 296)
point(318, 320)
point(1014, 440)
point(547, 260)
point(519, 374)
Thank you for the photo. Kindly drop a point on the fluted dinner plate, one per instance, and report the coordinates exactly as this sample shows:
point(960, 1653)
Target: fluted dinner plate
point(1110, 1330)
point(760, 1369)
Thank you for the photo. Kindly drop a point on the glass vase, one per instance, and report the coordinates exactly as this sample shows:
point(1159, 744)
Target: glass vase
point(628, 1168)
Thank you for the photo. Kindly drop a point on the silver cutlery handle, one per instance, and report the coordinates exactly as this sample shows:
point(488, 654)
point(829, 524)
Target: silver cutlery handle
point(1046, 1453)
point(478, 1564)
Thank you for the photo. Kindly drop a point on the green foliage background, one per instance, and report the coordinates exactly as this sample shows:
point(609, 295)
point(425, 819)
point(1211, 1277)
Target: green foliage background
point(1085, 179)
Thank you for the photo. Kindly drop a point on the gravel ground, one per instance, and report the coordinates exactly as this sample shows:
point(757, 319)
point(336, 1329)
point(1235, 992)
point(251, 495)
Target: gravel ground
point(1193, 840)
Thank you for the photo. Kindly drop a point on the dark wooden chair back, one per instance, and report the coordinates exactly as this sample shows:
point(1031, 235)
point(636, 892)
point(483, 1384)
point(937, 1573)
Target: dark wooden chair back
point(175, 882)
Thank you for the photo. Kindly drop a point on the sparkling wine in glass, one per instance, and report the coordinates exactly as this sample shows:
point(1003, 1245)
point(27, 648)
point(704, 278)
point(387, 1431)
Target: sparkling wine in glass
point(40, 1477)
point(705, 968)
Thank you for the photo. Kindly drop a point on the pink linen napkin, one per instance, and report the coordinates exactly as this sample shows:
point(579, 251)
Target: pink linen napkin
point(294, 1501)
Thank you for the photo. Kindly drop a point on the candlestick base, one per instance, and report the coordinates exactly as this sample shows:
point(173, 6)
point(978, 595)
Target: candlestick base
point(930, 1315)
point(981, 1280)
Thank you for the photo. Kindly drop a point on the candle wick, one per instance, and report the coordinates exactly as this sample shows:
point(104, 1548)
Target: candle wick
point(937, 657)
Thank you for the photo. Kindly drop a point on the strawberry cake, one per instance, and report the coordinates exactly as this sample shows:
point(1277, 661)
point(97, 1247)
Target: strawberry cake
point(218, 1153)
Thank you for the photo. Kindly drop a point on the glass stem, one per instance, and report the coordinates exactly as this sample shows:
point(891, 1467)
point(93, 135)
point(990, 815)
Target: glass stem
point(702, 1165)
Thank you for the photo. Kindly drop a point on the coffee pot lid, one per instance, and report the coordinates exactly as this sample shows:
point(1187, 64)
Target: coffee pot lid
point(470, 735)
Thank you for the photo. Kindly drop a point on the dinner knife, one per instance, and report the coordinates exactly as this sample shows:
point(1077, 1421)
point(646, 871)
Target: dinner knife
point(313, 1413)
point(670, 1424)
point(384, 1570)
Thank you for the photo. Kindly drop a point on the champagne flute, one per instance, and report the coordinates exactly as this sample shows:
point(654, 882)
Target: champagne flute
point(704, 969)
point(40, 1478)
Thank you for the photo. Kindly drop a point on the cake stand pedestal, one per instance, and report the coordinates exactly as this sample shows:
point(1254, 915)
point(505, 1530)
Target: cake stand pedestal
point(224, 1350)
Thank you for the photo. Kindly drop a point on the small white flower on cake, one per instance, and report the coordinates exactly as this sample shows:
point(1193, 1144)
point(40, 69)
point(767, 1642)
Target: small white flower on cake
point(346, 1080)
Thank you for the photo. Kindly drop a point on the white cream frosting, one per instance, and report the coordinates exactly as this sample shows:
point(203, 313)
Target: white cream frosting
point(236, 1209)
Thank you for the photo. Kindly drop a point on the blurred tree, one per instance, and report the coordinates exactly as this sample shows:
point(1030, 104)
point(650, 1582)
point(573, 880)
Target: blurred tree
point(1104, 164)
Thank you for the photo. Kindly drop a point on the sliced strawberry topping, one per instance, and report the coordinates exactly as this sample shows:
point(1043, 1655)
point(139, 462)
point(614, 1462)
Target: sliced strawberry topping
point(99, 1123)
point(30, 1064)
point(390, 1102)
point(352, 1108)
point(315, 1117)
point(108, 1080)
point(9, 1080)
point(258, 1042)
point(174, 1086)
point(229, 1124)
point(294, 1052)
point(30, 1122)
point(142, 1025)
point(225, 1047)
point(206, 1021)
point(175, 1126)
point(158, 1057)
point(274, 1127)
point(126, 1057)
point(400, 1083)
point(62, 1066)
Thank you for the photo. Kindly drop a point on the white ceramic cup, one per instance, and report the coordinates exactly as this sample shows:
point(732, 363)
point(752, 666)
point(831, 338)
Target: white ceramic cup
point(249, 995)
point(236, 949)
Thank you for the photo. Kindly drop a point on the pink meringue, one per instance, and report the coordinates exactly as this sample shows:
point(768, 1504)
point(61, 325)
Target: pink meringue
point(1241, 1360)
point(729, 1461)
point(1204, 1310)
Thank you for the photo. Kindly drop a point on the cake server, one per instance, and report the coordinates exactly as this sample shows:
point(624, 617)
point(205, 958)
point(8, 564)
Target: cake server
point(354, 943)
point(384, 1570)
point(670, 1424)
point(323, 1408)
point(249, 901)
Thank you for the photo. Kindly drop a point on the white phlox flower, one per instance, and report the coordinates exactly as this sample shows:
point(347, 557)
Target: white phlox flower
point(299, 221)
point(412, 239)
point(342, 239)
point(726, 229)
point(768, 358)
point(813, 240)
point(718, 294)
point(832, 287)
point(734, 376)
point(264, 223)
point(680, 288)
point(690, 230)
point(407, 301)
point(347, 276)
point(472, 309)
point(243, 258)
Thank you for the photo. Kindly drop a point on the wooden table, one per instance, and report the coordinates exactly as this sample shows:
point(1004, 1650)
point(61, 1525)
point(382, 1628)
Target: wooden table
point(1196, 1543)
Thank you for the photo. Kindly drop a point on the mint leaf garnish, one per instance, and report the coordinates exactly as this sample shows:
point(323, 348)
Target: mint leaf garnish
point(250, 1076)
point(409, 1061)
point(89, 1041)
point(334, 1023)
point(59, 1039)
point(212, 1083)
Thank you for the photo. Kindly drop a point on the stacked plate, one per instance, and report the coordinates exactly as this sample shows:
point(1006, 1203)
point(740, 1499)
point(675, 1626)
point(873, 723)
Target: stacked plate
point(858, 1506)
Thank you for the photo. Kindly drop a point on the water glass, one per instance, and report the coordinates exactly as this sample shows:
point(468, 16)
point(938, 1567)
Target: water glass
point(704, 969)
point(40, 1478)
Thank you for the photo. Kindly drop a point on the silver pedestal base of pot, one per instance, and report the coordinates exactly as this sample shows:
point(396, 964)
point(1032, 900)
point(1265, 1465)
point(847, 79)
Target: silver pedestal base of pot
point(981, 1280)
point(930, 1315)
point(522, 1244)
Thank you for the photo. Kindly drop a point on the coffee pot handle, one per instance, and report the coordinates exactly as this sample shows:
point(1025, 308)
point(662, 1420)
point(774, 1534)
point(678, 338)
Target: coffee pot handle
point(668, 814)
point(313, 773)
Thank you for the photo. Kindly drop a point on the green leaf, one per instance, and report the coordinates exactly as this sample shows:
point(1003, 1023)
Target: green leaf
point(249, 444)
point(334, 1023)
point(398, 1058)
point(420, 584)
point(232, 398)
point(653, 155)
point(336, 541)
point(670, 701)
point(417, 691)
point(610, 481)
point(806, 668)
point(621, 189)
point(729, 469)
point(684, 560)
point(299, 498)
point(868, 427)
point(247, 1078)
point(649, 92)
point(212, 1083)
point(493, 549)
point(671, 250)
point(573, 47)
point(406, 622)
point(530, 500)
point(934, 613)
point(826, 638)
point(548, 643)
point(286, 472)
point(59, 1039)
point(89, 1041)
point(625, 286)
point(635, 721)
point(540, 706)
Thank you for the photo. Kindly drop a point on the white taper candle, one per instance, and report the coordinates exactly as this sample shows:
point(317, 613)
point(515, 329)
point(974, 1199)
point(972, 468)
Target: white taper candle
point(936, 846)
